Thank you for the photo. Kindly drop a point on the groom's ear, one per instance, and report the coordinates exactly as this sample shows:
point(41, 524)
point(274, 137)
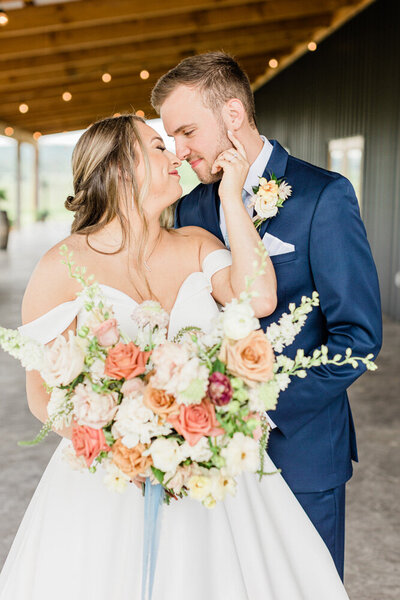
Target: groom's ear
point(233, 114)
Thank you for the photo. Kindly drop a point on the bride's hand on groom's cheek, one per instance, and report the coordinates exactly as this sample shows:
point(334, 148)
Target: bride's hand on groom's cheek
point(234, 164)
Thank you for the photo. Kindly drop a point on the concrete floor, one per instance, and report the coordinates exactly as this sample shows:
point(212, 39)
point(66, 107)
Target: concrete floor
point(373, 518)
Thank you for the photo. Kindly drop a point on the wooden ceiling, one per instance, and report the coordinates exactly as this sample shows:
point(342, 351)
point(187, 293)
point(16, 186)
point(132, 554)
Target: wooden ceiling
point(49, 48)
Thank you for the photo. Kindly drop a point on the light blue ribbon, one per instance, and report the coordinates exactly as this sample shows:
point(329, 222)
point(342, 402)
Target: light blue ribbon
point(153, 499)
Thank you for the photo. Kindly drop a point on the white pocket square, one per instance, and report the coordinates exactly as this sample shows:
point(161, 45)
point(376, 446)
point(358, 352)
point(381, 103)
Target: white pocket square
point(274, 245)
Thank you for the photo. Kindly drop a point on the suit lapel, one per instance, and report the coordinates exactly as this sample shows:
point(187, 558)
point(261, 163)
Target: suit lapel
point(276, 165)
point(210, 211)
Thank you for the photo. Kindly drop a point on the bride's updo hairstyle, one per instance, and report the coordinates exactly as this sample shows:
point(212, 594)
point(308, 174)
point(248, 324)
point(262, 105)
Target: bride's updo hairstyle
point(104, 165)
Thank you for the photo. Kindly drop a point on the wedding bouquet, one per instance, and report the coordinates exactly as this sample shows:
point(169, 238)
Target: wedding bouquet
point(188, 413)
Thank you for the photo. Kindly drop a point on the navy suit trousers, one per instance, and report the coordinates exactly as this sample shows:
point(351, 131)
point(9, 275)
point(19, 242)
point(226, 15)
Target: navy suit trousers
point(326, 511)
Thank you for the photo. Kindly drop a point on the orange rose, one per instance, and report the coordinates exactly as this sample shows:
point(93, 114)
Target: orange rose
point(88, 442)
point(251, 358)
point(125, 361)
point(130, 460)
point(196, 420)
point(160, 402)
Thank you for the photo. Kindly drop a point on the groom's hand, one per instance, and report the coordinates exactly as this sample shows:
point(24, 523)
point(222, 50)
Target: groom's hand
point(235, 166)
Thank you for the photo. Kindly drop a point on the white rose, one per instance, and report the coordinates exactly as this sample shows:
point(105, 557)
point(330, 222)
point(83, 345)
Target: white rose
point(63, 360)
point(238, 320)
point(200, 452)
point(241, 454)
point(166, 454)
point(93, 409)
point(265, 205)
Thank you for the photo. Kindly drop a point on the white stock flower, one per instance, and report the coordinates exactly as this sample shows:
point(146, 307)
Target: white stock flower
point(57, 409)
point(166, 454)
point(135, 423)
point(93, 409)
point(283, 380)
point(200, 452)
point(97, 370)
point(241, 454)
point(63, 360)
point(238, 320)
point(115, 479)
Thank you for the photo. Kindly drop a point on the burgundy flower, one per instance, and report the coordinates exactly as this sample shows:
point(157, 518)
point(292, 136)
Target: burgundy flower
point(219, 389)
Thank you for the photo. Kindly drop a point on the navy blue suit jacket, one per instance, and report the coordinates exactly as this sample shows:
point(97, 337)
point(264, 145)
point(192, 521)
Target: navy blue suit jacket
point(314, 443)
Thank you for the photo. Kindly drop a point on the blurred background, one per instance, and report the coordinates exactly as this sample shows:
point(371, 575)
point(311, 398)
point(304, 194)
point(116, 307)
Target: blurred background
point(326, 78)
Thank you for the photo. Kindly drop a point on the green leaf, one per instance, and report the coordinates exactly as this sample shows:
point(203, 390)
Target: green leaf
point(218, 366)
point(159, 475)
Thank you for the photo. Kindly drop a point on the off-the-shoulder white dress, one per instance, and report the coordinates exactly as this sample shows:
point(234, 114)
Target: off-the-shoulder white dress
point(79, 541)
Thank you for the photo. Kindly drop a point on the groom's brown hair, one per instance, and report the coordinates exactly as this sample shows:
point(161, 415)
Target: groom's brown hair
point(218, 77)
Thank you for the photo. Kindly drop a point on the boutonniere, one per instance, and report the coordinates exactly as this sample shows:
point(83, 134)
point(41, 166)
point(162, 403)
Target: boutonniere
point(268, 197)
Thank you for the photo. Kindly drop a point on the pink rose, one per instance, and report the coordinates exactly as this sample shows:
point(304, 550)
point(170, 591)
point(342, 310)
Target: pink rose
point(196, 420)
point(93, 409)
point(88, 442)
point(107, 332)
point(126, 361)
point(133, 386)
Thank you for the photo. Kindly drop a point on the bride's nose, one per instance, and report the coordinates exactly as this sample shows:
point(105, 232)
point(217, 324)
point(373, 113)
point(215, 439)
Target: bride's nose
point(175, 162)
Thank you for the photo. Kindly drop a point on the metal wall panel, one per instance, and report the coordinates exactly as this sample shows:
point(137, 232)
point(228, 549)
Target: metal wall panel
point(350, 86)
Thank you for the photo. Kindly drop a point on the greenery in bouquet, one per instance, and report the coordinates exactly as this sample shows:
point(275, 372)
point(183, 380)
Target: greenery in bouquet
point(188, 413)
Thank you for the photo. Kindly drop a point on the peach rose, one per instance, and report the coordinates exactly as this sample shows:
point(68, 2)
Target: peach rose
point(88, 442)
point(160, 402)
point(130, 460)
point(107, 332)
point(251, 358)
point(125, 361)
point(196, 420)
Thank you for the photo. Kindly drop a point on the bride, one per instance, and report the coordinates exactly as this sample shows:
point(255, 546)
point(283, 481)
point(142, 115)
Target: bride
point(77, 539)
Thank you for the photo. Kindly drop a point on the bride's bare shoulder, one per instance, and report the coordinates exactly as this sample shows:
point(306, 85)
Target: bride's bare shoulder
point(50, 283)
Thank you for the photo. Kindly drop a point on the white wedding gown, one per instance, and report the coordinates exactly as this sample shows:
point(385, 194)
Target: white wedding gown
point(80, 541)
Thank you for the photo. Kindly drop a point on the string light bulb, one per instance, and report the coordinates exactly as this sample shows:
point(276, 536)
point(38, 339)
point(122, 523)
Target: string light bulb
point(23, 108)
point(3, 17)
point(139, 113)
point(312, 46)
point(66, 96)
point(36, 135)
point(144, 74)
point(273, 63)
point(106, 77)
point(9, 131)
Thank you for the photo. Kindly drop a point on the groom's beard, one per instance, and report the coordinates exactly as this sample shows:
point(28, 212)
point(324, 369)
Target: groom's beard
point(204, 172)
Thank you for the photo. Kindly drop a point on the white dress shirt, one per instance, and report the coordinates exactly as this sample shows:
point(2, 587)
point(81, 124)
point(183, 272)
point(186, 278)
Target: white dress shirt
point(252, 180)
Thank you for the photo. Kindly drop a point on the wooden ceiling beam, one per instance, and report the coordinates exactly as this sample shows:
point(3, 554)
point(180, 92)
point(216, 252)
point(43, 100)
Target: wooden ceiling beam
point(165, 31)
point(23, 88)
point(86, 13)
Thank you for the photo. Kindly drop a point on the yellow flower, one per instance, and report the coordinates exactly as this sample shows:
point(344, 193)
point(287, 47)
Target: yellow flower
point(199, 487)
point(209, 501)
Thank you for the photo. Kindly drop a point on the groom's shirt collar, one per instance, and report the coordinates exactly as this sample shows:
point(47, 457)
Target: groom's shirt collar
point(257, 168)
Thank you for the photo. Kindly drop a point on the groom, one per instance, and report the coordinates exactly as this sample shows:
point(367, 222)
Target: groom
point(316, 241)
